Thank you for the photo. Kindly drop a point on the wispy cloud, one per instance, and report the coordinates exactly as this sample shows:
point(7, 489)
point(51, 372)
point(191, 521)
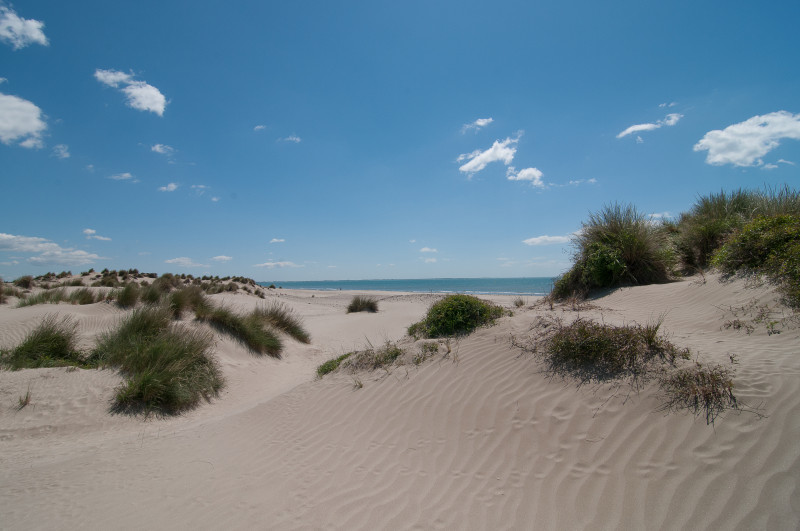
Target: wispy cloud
point(744, 143)
point(291, 138)
point(477, 125)
point(534, 175)
point(183, 261)
point(20, 32)
point(429, 260)
point(140, 95)
point(428, 250)
point(222, 258)
point(546, 240)
point(45, 251)
point(61, 151)
point(259, 127)
point(502, 151)
point(277, 240)
point(280, 265)
point(127, 176)
point(669, 120)
point(163, 149)
point(20, 121)
point(667, 105)
point(171, 187)
point(91, 234)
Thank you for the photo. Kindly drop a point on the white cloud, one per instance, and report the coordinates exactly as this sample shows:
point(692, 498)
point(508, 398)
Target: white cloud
point(534, 175)
point(744, 144)
point(273, 265)
point(428, 250)
point(20, 120)
point(123, 177)
point(200, 189)
point(546, 240)
point(259, 127)
point(222, 258)
point(476, 125)
point(61, 151)
point(669, 120)
point(20, 32)
point(292, 138)
point(215, 199)
point(277, 240)
point(671, 104)
point(140, 95)
point(45, 250)
point(661, 215)
point(789, 162)
point(184, 261)
point(91, 234)
point(2, 80)
point(171, 187)
point(163, 149)
point(430, 260)
point(412, 241)
point(502, 151)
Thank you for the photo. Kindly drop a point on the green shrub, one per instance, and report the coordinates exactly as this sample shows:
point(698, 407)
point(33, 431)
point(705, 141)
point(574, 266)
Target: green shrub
point(616, 246)
point(138, 328)
point(374, 358)
point(331, 365)
point(768, 245)
point(283, 318)
point(362, 304)
point(455, 315)
point(151, 294)
point(188, 298)
point(51, 344)
point(702, 230)
point(24, 282)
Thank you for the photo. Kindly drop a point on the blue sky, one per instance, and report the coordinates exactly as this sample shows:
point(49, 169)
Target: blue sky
point(345, 140)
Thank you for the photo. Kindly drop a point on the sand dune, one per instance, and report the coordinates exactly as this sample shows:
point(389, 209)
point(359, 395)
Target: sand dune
point(479, 439)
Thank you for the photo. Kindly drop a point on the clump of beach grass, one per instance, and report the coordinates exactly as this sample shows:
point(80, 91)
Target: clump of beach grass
point(248, 330)
point(455, 315)
point(361, 303)
point(616, 246)
point(24, 282)
point(168, 368)
point(191, 298)
point(51, 344)
point(281, 317)
point(372, 358)
point(51, 296)
point(128, 296)
point(82, 296)
point(701, 389)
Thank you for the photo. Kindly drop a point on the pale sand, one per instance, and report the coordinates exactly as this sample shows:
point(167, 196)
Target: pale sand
point(479, 440)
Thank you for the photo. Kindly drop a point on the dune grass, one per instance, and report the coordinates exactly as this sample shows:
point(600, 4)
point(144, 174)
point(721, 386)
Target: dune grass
point(361, 303)
point(249, 330)
point(168, 368)
point(51, 344)
point(50, 296)
point(281, 317)
point(617, 245)
point(190, 298)
point(84, 296)
point(24, 282)
point(701, 389)
point(455, 315)
point(332, 364)
point(128, 296)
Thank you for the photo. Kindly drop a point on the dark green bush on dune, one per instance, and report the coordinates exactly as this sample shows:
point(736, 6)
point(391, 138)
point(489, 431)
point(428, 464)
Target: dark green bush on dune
point(51, 344)
point(455, 315)
point(616, 246)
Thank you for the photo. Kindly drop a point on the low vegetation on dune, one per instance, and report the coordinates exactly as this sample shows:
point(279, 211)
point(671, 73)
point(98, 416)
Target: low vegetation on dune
point(744, 230)
point(618, 245)
point(367, 359)
point(283, 318)
point(51, 344)
point(362, 304)
point(249, 330)
point(587, 351)
point(455, 315)
point(332, 364)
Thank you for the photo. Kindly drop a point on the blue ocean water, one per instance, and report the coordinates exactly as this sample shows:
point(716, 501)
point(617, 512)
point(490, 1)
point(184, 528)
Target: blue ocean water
point(478, 286)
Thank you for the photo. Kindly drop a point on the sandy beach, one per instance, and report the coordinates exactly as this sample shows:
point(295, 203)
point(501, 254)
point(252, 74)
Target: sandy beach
point(477, 438)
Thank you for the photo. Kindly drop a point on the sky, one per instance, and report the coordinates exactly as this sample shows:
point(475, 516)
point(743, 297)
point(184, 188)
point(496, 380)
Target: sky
point(316, 140)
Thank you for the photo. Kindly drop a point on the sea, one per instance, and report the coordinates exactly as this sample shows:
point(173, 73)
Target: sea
point(476, 286)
